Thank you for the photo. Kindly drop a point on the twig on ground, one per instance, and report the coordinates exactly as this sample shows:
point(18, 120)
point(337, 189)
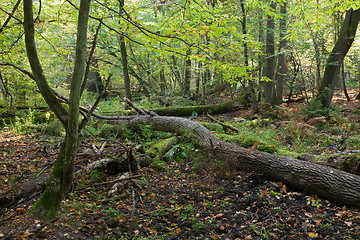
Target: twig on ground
point(133, 203)
point(117, 180)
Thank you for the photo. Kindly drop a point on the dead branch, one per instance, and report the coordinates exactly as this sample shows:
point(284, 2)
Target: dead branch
point(222, 124)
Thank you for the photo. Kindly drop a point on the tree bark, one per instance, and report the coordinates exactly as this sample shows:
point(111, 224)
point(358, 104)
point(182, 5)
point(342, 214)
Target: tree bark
point(358, 95)
point(124, 60)
point(187, 74)
point(326, 182)
point(62, 174)
point(282, 71)
point(336, 57)
point(242, 102)
point(35, 65)
point(269, 69)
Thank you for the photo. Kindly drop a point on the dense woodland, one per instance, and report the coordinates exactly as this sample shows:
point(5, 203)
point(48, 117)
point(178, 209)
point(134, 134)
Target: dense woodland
point(179, 119)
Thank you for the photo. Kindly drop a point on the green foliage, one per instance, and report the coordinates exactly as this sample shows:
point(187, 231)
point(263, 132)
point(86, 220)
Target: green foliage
point(25, 124)
point(54, 128)
point(315, 109)
point(159, 165)
point(262, 141)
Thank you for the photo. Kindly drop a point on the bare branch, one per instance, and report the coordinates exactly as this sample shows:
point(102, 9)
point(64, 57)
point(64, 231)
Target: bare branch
point(222, 124)
point(24, 71)
point(10, 15)
point(91, 111)
point(141, 111)
point(92, 50)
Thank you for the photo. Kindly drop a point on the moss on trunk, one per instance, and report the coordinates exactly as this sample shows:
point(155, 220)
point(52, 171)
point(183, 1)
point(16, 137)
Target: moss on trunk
point(49, 202)
point(242, 102)
point(160, 148)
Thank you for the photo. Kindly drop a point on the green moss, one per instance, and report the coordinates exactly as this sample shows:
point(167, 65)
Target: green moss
point(287, 153)
point(107, 130)
point(248, 142)
point(215, 127)
point(266, 148)
point(259, 122)
point(242, 102)
point(159, 165)
point(49, 202)
point(160, 148)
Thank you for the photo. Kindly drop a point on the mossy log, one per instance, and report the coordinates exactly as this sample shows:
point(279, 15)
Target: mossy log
point(160, 148)
point(243, 102)
point(326, 182)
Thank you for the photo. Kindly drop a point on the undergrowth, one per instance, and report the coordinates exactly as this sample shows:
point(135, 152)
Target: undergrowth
point(280, 132)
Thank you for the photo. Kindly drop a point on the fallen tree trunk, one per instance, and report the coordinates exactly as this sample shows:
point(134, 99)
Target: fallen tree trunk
point(326, 182)
point(24, 191)
point(243, 102)
point(160, 148)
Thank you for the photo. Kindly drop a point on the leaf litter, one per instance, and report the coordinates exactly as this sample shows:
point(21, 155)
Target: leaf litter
point(176, 203)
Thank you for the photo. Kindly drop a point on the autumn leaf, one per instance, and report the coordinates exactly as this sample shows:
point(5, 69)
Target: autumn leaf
point(313, 235)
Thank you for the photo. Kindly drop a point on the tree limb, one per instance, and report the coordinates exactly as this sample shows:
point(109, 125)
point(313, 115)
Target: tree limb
point(222, 124)
point(36, 68)
point(10, 15)
point(92, 50)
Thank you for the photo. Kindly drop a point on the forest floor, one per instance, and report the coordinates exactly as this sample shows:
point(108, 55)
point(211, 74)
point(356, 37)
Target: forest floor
point(178, 201)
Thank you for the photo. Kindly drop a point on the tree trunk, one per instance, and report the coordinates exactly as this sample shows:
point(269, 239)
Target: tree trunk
point(187, 75)
point(282, 71)
point(358, 96)
point(36, 67)
point(326, 182)
point(142, 83)
point(342, 46)
point(62, 174)
point(269, 70)
point(242, 102)
point(198, 80)
point(343, 83)
point(260, 57)
point(124, 60)
point(246, 50)
point(162, 76)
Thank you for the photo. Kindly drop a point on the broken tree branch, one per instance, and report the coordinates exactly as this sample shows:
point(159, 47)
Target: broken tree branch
point(222, 124)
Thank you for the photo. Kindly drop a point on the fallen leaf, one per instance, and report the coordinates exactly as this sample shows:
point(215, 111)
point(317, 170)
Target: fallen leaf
point(20, 210)
point(313, 235)
point(348, 223)
point(178, 230)
point(308, 214)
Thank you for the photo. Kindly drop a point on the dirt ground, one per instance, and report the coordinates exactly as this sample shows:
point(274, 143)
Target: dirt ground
point(178, 201)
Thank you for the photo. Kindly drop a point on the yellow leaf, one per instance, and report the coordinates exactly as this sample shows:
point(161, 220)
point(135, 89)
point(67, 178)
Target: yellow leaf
point(218, 215)
point(308, 214)
point(313, 235)
point(178, 230)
